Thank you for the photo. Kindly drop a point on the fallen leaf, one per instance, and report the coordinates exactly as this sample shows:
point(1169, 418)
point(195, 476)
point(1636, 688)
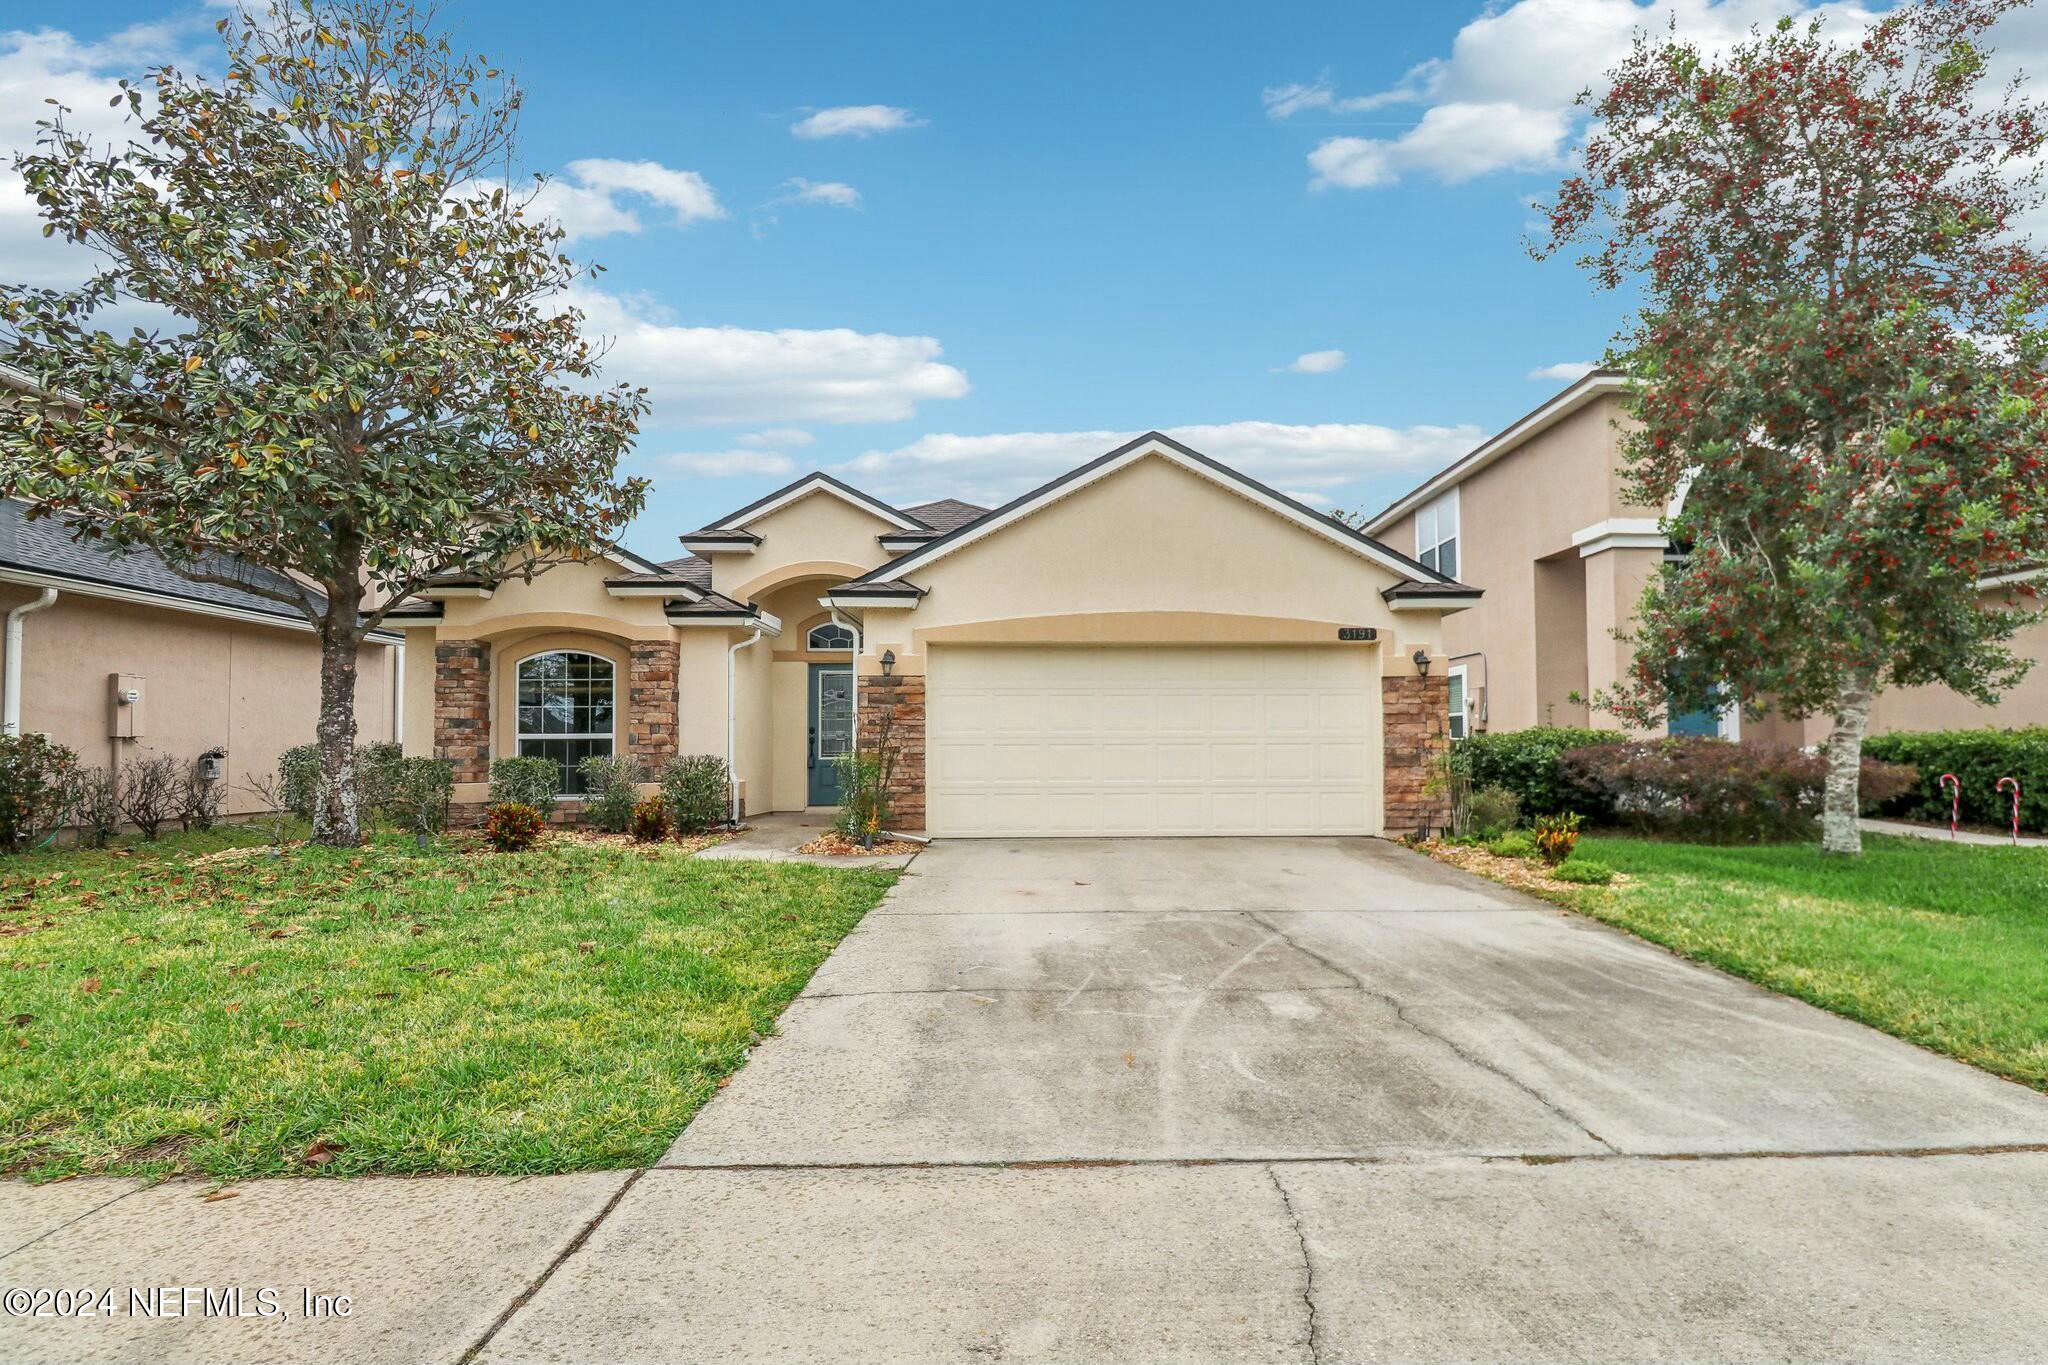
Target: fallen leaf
point(216, 1196)
point(89, 986)
point(321, 1152)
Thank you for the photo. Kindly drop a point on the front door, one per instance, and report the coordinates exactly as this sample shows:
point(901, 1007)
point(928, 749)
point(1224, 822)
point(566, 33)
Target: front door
point(831, 726)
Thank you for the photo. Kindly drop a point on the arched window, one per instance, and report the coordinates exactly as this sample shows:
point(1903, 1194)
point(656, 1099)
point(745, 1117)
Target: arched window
point(565, 710)
point(830, 635)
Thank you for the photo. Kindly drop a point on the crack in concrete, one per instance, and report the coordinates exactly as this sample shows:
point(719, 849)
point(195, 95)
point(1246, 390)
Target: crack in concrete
point(1400, 1009)
point(72, 1222)
point(525, 1296)
point(1313, 1340)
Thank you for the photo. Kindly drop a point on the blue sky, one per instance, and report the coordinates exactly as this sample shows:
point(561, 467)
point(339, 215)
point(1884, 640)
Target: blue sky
point(944, 248)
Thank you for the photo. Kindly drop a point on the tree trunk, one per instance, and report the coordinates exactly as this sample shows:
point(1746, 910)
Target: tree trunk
point(337, 817)
point(1839, 832)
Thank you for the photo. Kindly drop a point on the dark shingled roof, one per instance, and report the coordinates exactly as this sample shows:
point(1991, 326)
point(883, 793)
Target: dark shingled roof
point(947, 514)
point(45, 546)
point(692, 569)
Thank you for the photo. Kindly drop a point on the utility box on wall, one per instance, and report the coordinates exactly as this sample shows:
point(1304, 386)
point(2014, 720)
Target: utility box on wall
point(124, 706)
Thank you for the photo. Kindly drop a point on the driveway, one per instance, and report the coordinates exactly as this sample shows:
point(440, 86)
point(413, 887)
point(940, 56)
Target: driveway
point(1234, 1100)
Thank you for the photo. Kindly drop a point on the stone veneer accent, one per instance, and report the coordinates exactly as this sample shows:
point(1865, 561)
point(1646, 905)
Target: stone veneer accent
point(1417, 728)
point(462, 707)
point(898, 702)
point(651, 703)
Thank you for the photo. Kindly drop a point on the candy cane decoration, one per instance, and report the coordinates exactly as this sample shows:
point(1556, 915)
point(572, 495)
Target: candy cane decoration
point(1953, 785)
point(2014, 783)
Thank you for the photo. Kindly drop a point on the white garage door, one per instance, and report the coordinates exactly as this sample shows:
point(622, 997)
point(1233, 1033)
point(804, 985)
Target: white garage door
point(1090, 741)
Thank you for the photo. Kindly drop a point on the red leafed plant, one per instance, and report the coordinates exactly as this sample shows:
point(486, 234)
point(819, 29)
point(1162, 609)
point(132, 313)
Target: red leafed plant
point(512, 826)
point(1557, 836)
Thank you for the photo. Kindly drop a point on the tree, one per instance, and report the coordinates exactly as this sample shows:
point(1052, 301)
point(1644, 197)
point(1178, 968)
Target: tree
point(369, 378)
point(1837, 364)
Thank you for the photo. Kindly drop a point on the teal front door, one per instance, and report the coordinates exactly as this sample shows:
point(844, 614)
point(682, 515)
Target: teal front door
point(831, 725)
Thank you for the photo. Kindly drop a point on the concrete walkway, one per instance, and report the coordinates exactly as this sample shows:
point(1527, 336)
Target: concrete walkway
point(1962, 836)
point(775, 838)
point(1279, 1100)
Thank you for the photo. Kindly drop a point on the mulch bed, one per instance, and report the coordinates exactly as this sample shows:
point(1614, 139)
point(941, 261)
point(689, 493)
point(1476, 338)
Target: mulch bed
point(1524, 874)
point(686, 843)
point(834, 844)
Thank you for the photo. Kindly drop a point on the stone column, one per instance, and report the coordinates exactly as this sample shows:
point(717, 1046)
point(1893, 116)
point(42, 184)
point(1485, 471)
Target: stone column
point(892, 715)
point(651, 704)
point(1416, 729)
point(462, 707)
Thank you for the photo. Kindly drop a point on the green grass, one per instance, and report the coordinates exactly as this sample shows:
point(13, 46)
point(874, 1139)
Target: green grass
point(1945, 945)
point(387, 1009)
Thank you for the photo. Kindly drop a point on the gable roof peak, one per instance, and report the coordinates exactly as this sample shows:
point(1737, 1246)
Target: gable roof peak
point(817, 481)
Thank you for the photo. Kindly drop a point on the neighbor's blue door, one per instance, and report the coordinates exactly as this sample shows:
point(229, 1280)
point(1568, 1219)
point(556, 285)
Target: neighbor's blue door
point(831, 729)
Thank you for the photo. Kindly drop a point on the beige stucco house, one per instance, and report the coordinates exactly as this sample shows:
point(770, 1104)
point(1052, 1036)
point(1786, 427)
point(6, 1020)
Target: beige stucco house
point(1150, 644)
point(117, 657)
point(1536, 516)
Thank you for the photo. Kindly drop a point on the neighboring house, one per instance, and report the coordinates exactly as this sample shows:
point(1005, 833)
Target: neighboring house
point(1150, 644)
point(1536, 516)
point(213, 669)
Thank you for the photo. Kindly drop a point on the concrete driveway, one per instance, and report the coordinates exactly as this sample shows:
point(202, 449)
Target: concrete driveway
point(1222, 1100)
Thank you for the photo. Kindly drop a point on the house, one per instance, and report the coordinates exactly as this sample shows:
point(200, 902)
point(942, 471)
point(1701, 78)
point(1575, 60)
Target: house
point(116, 656)
point(1537, 516)
point(1150, 644)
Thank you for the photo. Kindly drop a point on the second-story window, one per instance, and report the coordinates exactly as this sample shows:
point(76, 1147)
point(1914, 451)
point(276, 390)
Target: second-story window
point(1436, 534)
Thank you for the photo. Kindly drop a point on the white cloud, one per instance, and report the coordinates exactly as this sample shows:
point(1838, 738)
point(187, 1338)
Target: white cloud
point(1565, 371)
point(773, 437)
point(856, 120)
point(1316, 362)
point(593, 197)
point(833, 192)
point(723, 464)
point(994, 468)
point(1502, 99)
point(698, 375)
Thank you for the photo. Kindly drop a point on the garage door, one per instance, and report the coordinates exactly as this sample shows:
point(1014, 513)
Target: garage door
point(1087, 741)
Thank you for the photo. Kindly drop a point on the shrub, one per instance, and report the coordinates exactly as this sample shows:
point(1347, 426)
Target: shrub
point(698, 791)
point(650, 820)
point(377, 774)
point(1978, 758)
point(97, 812)
point(1493, 811)
point(534, 782)
point(298, 779)
point(152, 790)
point(863, 796)
point(198, 800)
point(1557, 836)
point(38, 787)
point(611, 783)
point(1585, 871)
point(418, 795)
point(1515, 844)
point(1526, 762)
point(1712, 790)
point(512, 826)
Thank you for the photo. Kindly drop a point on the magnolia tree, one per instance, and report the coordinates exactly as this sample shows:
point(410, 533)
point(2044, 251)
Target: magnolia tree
point(367, 377)
point(1837, 364)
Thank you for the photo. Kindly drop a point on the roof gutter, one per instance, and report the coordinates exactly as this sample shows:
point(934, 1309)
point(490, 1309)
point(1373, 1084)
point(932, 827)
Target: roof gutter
point(10, 688)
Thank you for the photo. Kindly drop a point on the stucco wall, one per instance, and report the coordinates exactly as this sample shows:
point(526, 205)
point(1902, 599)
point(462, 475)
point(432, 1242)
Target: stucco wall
point(1150, 554)
point(820, 529)
point(210, 683)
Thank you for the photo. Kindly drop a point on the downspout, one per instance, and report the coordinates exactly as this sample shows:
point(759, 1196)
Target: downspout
point(10, 688)
point(398, 696)
point(732, 777)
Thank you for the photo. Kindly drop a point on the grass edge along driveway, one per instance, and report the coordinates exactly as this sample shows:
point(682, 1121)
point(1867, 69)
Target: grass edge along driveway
point(1943, 945)
point(386, 1009)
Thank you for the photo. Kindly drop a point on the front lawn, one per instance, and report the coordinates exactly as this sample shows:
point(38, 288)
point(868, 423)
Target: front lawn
point(1942, 944)
point(387, 1009)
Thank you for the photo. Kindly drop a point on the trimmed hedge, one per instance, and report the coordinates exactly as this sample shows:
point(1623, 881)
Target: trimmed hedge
point(1978, 758)
point(1718, 792)
point(1526, 762)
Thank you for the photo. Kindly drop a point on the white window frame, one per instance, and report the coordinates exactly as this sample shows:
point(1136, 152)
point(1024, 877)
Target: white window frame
point(1431, 537)
point(812, 645)
point(520, 734)
point(1460, 716)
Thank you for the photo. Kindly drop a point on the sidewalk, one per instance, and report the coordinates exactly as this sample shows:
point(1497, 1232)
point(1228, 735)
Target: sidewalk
point(1913, 831)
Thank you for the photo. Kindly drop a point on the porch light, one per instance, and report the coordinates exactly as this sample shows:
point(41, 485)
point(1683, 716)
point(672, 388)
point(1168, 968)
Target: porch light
point(1421, 663)
point(888, 662)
